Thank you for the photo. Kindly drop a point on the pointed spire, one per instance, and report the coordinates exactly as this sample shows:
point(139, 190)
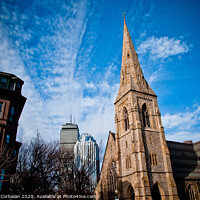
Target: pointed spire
point(132, 77)
point(129, 55)
point(123, 15)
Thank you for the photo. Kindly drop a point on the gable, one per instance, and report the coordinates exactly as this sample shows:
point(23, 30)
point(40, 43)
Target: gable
point(110, 153)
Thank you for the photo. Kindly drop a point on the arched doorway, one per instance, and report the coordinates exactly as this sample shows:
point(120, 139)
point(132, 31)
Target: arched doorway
point(156, 193)
point(131, 193)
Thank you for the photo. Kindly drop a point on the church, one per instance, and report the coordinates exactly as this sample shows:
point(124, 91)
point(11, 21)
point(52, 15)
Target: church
point(139, 163)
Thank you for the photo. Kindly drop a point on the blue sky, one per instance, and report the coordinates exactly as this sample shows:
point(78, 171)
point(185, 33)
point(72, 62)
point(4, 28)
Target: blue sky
point(69, 55)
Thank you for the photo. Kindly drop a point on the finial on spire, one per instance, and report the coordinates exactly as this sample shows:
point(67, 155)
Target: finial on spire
point(123, 15)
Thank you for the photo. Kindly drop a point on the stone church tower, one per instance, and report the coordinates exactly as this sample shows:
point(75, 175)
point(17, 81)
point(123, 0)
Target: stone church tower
point(137, 162)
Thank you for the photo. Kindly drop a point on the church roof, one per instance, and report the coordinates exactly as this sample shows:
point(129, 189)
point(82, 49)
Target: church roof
point(111, 139)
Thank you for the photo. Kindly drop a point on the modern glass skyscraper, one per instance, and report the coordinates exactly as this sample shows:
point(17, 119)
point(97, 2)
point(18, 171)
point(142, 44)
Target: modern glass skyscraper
point(86, 153)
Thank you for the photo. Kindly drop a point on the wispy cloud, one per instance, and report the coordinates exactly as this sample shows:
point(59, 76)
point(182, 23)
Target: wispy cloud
point(48, 60)
point(182, 136)
point(155, 75)
point(49, 44)
point(184, 120)
point(183, 126)
point(47, 68)
point(156, 52)
point(163, 47)
point(12, 63)
point(90, 86)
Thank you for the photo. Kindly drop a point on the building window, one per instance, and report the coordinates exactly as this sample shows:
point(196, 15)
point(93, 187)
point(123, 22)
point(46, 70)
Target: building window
point(198, 185)
point(14, 153)
point(191, 193)
point(11, 85)
point(3, 82)
point(1, 177)
point(18, 87)
point(7, 139)
point(126, 144)
point(126, 120)
point(1, 109)
point(112, 181)
point(153, 158)
point(145, 116)
point(128, 162)
point(150, 140)
point(12, 110)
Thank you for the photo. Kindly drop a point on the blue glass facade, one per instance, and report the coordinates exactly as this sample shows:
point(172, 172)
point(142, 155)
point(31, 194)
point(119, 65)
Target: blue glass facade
point(87, 155)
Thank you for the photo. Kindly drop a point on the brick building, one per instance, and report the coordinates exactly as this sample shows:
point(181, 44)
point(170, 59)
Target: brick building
point(11, 105)
point(137, 162)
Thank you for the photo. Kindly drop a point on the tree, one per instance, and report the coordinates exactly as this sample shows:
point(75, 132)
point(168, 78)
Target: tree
point(38, 168)
point(8, 160)
point(74, 179)
point(43, 169)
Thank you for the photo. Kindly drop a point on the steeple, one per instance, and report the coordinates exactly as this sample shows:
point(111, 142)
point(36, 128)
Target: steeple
point(132, 77)
point(138, 154)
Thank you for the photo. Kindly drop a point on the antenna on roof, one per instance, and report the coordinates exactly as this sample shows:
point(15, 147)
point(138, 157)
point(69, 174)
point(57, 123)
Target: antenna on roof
point(74, 120)
point(70, 118)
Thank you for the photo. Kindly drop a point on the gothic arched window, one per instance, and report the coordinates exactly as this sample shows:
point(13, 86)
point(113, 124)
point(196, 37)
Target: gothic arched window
point(190, 193)
point(126, 120)
point(112, 181)
point(145, 116)
point(153, 158)
point(198, 185)
point(128, 162)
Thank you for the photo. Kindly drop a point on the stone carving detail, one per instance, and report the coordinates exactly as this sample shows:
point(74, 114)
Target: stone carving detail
point(145, 98)
point(154, 122)
point(157, 111)
point(116, 118)
point(123, 102)
point(142, 82)
point(122, 77)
